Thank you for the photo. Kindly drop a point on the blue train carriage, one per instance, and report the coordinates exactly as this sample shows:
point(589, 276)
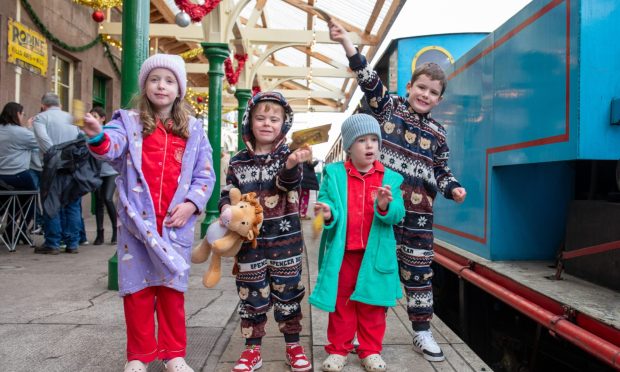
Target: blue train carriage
point(533, 118)
point(532, 115)
point(533, 122)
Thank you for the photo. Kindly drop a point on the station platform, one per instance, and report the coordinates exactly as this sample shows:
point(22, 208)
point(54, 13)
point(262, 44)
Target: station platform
point(58, 315)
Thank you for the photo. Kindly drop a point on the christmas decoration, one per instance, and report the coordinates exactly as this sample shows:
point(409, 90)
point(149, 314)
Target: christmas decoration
point(192, 53)
point(231, 89)
point(98, 16)
point(113, 42)
point(196, 11)
point(182, 19)
point(198, 101)
point(232, 76)
point(100, 4)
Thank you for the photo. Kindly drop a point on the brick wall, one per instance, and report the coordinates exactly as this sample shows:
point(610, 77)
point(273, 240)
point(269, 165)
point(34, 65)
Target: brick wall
point(71, 23)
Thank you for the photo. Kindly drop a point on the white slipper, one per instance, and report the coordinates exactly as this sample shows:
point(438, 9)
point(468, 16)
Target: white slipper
point(178, 365)
point(135, 366)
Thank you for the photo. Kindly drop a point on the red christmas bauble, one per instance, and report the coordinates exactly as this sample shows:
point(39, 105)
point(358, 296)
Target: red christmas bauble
point(98, 16)
point(199, 99)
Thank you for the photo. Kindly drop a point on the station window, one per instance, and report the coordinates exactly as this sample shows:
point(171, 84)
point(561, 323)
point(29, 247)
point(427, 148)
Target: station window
point(100, 91)
point(62, 80)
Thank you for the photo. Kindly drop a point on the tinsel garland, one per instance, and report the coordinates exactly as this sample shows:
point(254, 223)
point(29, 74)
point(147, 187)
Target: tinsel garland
point(106, 48)
point(200, 108)
point(48, 35)
point(196, 11)
point(100, 4)
point(191, 53)
point(232, 76)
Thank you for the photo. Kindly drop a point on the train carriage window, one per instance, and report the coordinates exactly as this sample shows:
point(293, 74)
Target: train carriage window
point(434, 54)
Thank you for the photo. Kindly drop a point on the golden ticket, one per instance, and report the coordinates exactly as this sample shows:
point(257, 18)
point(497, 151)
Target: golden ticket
point(310, 136)
point(78, 112)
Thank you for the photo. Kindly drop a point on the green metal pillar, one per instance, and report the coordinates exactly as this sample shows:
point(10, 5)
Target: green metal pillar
point(216, 53)
point(243, 96)
point(136, 16)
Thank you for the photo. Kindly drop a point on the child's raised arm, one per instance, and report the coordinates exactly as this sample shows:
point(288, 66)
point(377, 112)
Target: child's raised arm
point(108, 144)
point(339, 34)
point(376, 94)
point(301, 155)
point(91, 127)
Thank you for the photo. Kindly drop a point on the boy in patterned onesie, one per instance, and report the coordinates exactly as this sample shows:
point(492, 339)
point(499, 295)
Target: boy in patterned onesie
point(270, 274)
point(414, 145)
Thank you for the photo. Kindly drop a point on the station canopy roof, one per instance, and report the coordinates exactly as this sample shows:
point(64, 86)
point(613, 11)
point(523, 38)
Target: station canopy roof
point(287, 42)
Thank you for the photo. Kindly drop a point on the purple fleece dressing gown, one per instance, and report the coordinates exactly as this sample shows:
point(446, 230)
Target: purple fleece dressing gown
point(144, 257)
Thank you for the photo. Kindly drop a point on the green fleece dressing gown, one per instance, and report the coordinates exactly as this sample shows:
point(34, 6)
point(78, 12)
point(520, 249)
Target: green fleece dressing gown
point(377, 282)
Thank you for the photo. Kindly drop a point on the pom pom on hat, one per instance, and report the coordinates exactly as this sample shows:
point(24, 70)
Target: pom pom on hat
point(174, 63)
point(359, 125)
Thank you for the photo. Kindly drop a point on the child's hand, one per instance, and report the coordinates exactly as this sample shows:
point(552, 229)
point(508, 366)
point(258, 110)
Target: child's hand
point(180, 214)
point(459, 194)
point(300, 155)
point(323, 208)
point(224, 207)
point(92, 127)
point(338, 34)
point(384, 197)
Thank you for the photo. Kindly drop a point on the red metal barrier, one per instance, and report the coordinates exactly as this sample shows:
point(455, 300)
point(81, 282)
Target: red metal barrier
point(593, 344)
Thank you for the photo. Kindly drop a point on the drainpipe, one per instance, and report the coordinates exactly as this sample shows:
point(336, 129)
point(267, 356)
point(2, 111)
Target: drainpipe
point(593, 344)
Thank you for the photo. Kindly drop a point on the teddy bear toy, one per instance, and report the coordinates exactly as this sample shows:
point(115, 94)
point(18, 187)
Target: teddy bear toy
point(237, 224)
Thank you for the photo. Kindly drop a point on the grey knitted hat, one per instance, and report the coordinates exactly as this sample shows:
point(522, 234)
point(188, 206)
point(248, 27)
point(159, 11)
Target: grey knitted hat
point(356, 126)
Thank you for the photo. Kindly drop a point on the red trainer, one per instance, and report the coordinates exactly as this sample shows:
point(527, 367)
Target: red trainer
point(297, 359)
point(249, 361)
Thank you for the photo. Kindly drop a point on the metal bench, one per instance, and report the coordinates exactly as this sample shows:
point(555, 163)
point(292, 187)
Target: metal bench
point(14, 210)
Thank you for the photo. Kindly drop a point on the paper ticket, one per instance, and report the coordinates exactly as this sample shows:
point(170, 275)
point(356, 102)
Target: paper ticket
point(78, 112)
point(310, 136)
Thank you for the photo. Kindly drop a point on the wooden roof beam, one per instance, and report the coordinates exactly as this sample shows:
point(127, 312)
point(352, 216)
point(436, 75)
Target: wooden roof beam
point(303, 37)
point(301, 5)
point(322, 58)
point(303, 72)
point(255, 15)
point(374, 15)
point(309, 26)
point(323, 101)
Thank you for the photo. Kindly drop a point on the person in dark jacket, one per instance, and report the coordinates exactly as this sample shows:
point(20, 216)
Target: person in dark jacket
point(69, 172)
point(105, 193)
point(308, 182)
point(54, 126)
